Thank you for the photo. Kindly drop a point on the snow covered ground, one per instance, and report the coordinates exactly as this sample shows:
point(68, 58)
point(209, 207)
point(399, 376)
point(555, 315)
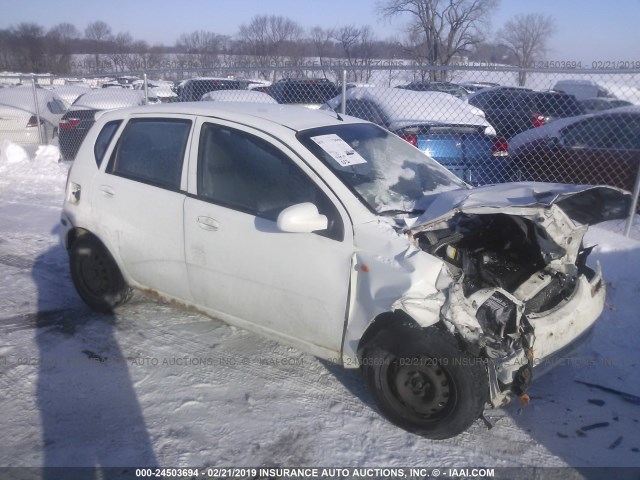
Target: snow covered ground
point(157, 385)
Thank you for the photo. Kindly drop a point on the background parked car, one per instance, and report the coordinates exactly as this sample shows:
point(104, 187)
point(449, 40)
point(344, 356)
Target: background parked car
point(512, 110)
point(582, 89)
point(445, 87)
point(471, 87)
point(307, 92)
point(161, 89)
point(238, 96)
point(69, 93)
point(192, 90)
point(598, 104)
point(449, 130)
point(600, 148)
point(19, 115)
point(75, 124)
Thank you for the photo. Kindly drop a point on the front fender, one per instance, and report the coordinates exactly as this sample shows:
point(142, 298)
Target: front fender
point(389, 274)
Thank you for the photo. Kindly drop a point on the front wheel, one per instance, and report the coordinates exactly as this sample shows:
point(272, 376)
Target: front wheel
point(96, 275)
point(433, 388)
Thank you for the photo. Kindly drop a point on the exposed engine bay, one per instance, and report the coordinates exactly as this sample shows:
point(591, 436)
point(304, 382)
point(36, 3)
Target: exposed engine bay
point(505, 270)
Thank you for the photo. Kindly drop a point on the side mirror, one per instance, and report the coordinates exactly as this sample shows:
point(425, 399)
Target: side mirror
point(302, 218)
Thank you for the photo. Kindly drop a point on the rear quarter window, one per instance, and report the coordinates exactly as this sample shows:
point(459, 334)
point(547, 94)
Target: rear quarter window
point(104, 139)
point(56, 107)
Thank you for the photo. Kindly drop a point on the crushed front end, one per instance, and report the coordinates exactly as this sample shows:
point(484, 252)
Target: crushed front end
point(520, 291)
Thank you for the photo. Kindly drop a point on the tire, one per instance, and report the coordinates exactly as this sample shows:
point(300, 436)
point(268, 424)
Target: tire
point(96, 275)
point(431, 387)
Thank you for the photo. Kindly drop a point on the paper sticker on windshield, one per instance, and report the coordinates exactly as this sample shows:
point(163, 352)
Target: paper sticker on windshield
point(339, 150)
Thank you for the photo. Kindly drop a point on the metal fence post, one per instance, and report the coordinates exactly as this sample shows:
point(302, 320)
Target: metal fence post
point(634, 204)
point(146, 89)
point(343, 107)
point(38, 119)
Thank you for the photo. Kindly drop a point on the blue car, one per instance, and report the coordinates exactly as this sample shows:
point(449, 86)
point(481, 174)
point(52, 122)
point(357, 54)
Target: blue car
point(446, 128)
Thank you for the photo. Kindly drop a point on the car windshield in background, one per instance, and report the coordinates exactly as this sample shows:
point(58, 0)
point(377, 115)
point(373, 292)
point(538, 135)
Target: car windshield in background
point(387, 173)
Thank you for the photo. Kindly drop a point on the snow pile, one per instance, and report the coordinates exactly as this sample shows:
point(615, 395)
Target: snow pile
point(11, 154)
point(17, 166)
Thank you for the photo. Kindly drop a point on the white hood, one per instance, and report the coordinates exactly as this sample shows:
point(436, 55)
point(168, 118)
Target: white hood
point(586, 204)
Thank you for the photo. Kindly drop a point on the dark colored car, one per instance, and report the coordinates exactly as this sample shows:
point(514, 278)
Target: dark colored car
point(513, 110)
point(471, 87)
point(75, 124)
point(445, 87)
point(600, 148)
point(444, 127)
point(598, 104)
point(310, 92)
point(193, 89)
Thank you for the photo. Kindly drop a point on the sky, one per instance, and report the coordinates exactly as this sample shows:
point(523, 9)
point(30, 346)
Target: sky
point(587, 30)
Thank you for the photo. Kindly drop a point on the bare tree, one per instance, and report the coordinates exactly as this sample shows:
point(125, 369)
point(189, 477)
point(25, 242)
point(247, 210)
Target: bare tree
point(98, 32)
point(203, 45)
point(269, 38)
point(526, 37)
point(448, 28)
point(358, 47)
point(121, 50)
point(321, 39)
point(348, 38)
point(29, 48)
point(59, 46)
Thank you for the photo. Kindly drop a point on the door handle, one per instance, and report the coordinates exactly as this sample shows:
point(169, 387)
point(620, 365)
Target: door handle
point(107, 191)
point(207, 223)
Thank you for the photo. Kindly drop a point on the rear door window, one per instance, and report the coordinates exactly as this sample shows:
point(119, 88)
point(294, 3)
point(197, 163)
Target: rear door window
point(152, 151)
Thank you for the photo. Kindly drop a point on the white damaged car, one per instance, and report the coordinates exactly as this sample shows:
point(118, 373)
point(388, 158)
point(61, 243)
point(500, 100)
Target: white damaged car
point(333, 235)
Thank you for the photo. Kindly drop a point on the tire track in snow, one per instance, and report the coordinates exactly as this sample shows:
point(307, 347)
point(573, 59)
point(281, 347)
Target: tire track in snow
point(276, 370)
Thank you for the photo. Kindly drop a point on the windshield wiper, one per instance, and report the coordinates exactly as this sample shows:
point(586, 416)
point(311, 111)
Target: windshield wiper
point(389, 213)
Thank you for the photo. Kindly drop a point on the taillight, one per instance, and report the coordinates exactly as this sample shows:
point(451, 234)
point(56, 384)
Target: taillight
point(33, 121)
point(500, 147)
point(537, 119)
point(411, 138)
point(68, 123)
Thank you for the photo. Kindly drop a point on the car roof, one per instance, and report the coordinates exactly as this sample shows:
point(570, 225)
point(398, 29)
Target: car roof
point(238, 96)
point(304, 81)
point(21, 97)
point(109, 98)
point(293, 117)
point(499, 88)
point(406, 107)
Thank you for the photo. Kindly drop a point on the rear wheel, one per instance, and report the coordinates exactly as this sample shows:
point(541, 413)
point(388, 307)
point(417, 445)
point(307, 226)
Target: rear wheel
point(96, 275)
point(432, 388)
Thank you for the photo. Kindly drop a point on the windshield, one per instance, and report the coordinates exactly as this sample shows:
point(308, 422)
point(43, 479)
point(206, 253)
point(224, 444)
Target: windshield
point(386, 172)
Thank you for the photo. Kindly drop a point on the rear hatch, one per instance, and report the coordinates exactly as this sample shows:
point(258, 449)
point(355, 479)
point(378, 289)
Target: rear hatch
point(73, 127)
point(464, 150)
point(557, 105)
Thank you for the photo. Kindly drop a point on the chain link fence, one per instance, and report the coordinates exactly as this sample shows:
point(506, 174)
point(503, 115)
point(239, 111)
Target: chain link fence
point(566, 125)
